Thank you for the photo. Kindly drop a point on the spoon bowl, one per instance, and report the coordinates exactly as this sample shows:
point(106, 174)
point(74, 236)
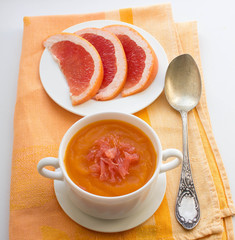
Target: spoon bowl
point(183, 91)
point(183, 83)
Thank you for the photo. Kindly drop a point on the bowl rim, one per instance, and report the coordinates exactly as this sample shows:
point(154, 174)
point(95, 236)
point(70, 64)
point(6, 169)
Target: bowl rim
point(112, 116)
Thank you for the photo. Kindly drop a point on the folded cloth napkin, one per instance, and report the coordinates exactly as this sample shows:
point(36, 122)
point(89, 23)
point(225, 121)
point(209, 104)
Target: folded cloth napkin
point(40, 123)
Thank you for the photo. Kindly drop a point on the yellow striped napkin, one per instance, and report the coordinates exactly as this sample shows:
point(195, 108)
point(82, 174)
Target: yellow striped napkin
point(39, 125)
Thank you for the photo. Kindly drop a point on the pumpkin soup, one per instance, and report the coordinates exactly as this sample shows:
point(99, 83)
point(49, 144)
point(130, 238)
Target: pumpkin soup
point(110, 158)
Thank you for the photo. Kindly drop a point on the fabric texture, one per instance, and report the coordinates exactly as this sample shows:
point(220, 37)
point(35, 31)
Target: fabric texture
point(39, 125)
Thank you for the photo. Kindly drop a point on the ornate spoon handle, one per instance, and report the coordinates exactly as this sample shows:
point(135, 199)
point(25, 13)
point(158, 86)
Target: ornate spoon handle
point(187, 206)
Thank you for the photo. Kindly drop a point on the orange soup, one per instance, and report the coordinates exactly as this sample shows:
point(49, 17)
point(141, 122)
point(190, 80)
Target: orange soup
point(110, 158)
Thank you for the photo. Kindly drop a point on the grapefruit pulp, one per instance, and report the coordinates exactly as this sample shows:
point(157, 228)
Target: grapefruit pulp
point(141, 59)
point(79, 62)
point(113, 58)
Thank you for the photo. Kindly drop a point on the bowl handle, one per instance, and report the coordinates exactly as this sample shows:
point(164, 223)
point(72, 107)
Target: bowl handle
point(50, 161)
point(172, 164)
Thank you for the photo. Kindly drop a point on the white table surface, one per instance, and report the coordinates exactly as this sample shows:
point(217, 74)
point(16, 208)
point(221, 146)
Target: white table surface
point(216, 27)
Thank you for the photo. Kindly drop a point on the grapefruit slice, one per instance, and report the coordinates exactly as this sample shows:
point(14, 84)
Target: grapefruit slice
point(113, 58)
point(79, 62)
point(141, 59)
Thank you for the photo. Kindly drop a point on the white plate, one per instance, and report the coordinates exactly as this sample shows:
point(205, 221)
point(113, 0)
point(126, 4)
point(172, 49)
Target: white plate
point(147, 209)
point(56, 86)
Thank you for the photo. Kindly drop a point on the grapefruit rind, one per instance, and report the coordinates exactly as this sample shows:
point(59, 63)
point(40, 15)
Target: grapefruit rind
point(117, 84)
point(151, 61)
point(97, 77)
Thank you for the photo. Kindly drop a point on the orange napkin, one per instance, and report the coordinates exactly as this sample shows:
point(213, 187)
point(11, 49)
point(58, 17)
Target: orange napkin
point(40, 123)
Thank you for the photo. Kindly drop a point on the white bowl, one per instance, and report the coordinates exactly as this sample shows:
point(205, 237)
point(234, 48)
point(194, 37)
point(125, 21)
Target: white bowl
point(100, 206)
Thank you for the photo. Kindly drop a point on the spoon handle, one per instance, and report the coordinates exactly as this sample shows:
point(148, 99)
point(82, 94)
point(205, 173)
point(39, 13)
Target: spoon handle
point(187, 206)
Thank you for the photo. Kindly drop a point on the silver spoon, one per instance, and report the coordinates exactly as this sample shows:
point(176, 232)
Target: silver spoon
point(183, 91)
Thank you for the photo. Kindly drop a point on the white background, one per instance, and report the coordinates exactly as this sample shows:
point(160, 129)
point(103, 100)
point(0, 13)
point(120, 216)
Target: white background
point(216, 26)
